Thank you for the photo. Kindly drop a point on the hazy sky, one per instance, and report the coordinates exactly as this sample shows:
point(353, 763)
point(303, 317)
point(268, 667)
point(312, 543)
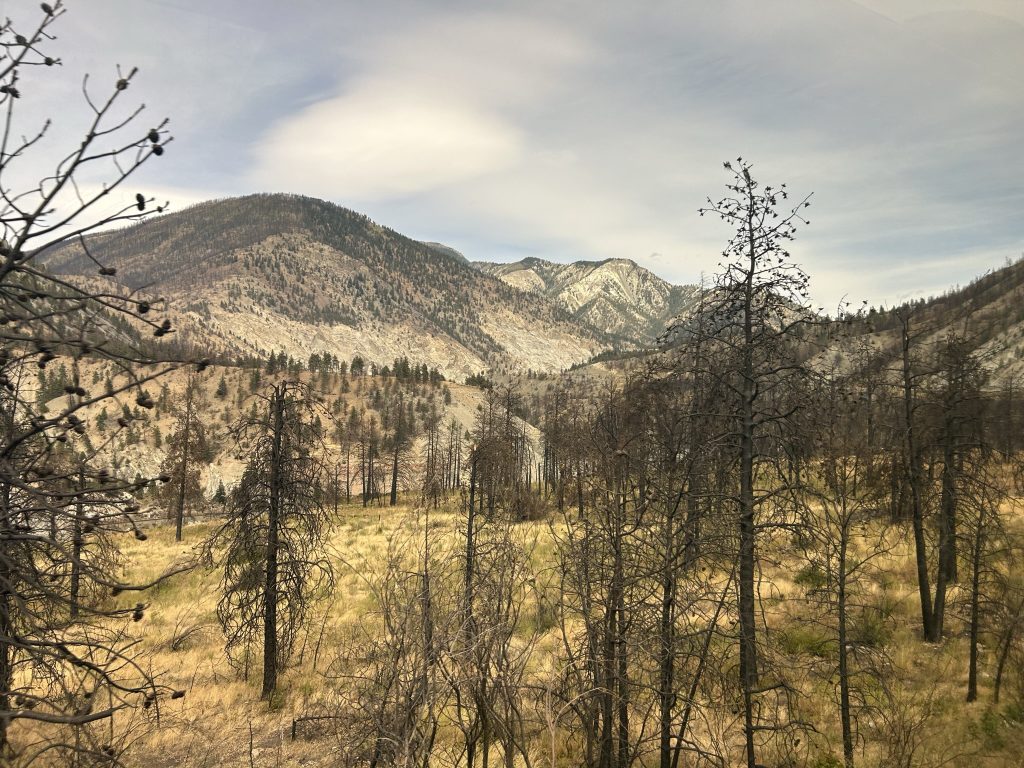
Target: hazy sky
point(588, 130)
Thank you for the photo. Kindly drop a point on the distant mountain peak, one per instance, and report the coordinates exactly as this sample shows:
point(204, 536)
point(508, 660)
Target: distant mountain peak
point(446, 249)
point(616, 295)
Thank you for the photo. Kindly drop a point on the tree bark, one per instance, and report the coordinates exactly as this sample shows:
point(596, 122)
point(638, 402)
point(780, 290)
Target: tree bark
point(76, 547)
point(270, 591)
point(186, 441)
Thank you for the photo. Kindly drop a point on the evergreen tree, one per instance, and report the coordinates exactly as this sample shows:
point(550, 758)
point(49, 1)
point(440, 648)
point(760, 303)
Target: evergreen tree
point(187, 450)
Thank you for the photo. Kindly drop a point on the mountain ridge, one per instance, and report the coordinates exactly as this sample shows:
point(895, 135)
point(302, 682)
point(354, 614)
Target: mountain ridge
point(260, 274)
point(263, 273)
point(616, 294)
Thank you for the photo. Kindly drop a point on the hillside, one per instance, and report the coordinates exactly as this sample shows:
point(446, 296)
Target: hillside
point(352, 403)
point(253, 275)
point(988, 313)
point(263, 273)
point(616, 295)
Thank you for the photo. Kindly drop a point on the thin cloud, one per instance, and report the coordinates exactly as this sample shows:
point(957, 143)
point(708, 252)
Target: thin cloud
point(435, 106)
point(379, 141)
point(582, 130)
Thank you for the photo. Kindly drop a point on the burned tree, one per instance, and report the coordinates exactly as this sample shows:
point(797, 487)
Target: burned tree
point(754, 319)
point(272, 544)
point(67, 660)
point(398, 443)
point(187, 450)
point(843, 537)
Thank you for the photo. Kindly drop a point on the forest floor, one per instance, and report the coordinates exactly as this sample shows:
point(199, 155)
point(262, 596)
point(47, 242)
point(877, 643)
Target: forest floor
point(221, 720)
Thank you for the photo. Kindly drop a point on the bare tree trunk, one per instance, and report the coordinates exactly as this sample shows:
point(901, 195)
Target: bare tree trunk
point(844, 659)
point(348, 474)
point(941, 585)
point(622, 678)
point(468, 592)
point(337, 488)
point(948, 509)
point(709, 635)
point(76, 547)
point(362, 469)
point(946, 534)
point(273, 523)
point(622, 673)
point(470, 549)
point(394, 476)
point(607, 687)
point(913, 474)
point(979, 542)
point(666, 671)
point(747, 624)
point(6, 626)
point(186, 440)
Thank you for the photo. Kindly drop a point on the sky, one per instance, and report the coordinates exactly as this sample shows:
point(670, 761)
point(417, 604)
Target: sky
point(585, 130)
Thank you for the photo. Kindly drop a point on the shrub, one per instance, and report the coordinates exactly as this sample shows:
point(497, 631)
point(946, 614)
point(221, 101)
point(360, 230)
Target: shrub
point(803, 639)
point(811, 577)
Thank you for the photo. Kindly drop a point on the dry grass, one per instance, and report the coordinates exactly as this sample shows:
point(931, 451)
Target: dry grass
point(211, 725)
point(222, 722)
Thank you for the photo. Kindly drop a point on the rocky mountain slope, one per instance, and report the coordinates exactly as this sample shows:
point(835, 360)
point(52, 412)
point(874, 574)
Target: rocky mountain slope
point(268, 273)
point(226, 394)
point(617, 296)
point(987, 316)
point(988, 313)
point(264, 273)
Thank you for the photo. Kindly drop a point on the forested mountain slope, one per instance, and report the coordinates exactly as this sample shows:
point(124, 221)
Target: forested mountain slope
point(988, 314)
point(265, 273)
point(253, 275)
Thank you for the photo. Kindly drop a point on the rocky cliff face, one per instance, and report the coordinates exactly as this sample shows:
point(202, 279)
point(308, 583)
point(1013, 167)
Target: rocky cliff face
point(617, 296)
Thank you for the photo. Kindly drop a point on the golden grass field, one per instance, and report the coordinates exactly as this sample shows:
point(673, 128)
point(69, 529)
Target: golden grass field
point(222, 722)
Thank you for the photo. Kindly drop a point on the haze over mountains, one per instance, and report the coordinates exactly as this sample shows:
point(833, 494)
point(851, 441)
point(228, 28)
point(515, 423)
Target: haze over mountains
point(266, 273)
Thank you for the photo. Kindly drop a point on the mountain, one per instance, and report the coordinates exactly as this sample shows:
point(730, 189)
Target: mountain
point(988, 314)
point(264, 273)
point(442, 248)
point(617, 296)
point(268, 273)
